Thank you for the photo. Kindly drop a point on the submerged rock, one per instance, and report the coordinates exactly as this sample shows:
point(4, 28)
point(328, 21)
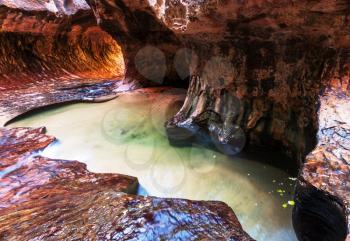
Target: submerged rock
point(41, 198)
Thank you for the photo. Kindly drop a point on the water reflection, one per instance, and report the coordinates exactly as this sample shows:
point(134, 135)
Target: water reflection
point(127, 136)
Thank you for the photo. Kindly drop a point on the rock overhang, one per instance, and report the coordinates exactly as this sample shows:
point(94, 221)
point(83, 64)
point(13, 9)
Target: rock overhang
point(285, 56)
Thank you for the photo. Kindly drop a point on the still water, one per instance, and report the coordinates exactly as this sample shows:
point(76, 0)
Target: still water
point(127, 135)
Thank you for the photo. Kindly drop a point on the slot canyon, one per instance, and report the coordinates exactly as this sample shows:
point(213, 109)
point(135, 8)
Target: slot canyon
point(175, 120)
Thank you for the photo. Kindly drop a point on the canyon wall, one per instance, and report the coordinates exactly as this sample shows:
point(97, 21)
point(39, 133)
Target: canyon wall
point(265, 72)
point(264, 53)
point(52, 53)
point(261, 72)
point(38, 44)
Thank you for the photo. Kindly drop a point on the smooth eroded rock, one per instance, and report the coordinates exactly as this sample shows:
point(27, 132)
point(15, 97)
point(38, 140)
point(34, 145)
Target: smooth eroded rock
point(41, 198)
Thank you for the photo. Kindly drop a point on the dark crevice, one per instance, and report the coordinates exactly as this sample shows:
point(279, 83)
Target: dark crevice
point(318, 216)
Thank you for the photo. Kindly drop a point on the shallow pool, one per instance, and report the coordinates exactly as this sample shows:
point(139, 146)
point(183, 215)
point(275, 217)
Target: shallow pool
point(126, 135)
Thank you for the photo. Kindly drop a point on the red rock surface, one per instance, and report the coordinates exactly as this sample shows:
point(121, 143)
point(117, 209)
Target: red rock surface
point(287, 62)
point(28, 177)
point(20, 142)
point(328, 166)
point(278, 58)
point(41, 198)
point(48, 58)
point(48, 92)
point(324, 182)
point(111, 215)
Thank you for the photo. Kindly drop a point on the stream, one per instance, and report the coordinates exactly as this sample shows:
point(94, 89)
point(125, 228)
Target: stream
point(126, 135)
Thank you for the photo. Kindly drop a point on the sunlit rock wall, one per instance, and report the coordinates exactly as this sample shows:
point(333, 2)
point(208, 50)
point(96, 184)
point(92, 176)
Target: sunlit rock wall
point(261, 68)
point(54, 52)
point(39, 44)
point(148, 45)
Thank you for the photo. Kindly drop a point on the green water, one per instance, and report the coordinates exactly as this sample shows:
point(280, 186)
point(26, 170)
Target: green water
point(127, 135)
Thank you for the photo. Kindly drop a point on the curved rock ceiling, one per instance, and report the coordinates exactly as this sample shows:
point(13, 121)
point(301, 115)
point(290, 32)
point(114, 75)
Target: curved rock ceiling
point(286, 62)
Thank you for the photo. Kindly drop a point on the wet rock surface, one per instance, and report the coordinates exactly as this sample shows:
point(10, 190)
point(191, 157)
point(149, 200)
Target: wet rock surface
point(265, 54)
point(27, 177)
point(50, 57)
point(111, 215)
point(48, 92)
point(324, 184)
point(42, 198)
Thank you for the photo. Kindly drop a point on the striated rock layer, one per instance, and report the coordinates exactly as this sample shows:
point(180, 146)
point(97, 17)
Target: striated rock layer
point(324, 182)
point(259, 70)
point(53, 57)
point(272, 73)
point(47, 199)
